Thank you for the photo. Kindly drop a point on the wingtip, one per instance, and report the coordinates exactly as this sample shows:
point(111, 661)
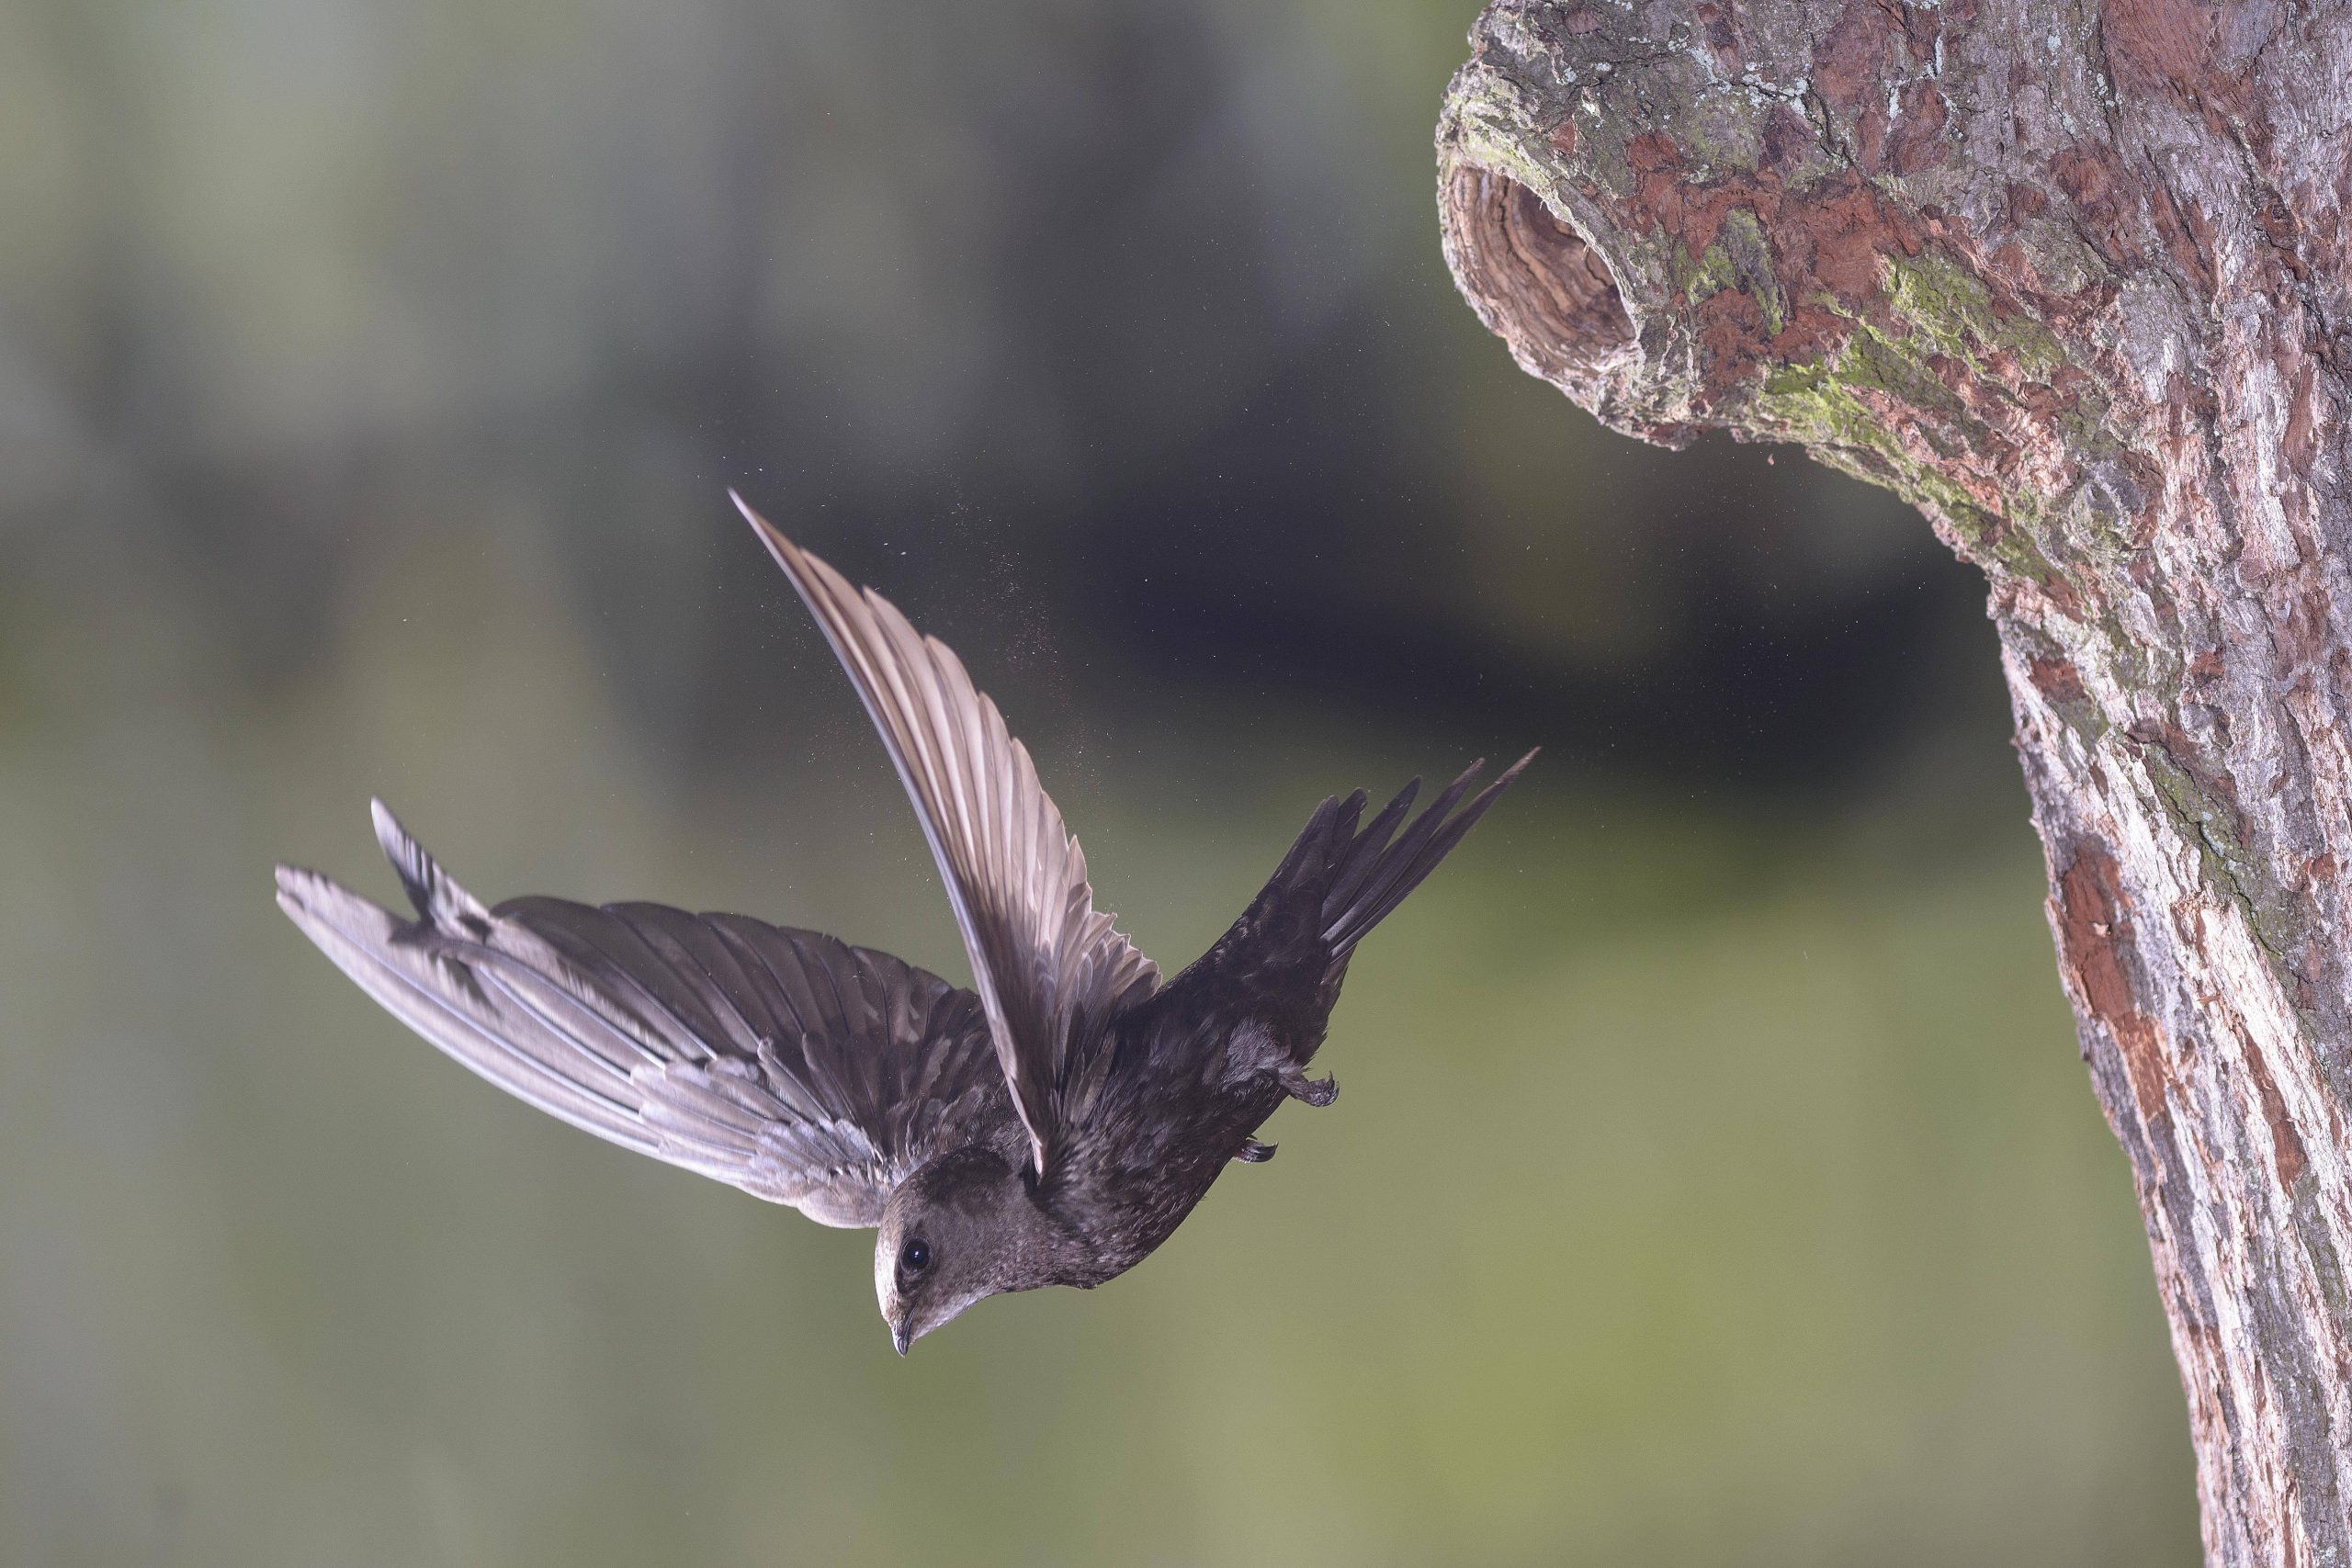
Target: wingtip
point(800, 568)
point(758, 522)
point(400, 845)
point(769, 534)
point(436, 898)
point(293, 882)
point(306, 897)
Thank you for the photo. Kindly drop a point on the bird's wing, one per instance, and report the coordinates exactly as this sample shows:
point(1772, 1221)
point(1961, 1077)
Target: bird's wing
point(795, 1066)
point(1050, 968)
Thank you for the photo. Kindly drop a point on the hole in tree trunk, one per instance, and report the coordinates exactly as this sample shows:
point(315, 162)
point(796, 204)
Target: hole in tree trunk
point(1533, 277)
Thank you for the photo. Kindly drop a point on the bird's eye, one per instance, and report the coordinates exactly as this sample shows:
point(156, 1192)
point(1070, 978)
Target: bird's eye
point(915, 1257)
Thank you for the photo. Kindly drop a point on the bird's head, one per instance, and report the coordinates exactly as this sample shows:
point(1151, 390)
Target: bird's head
point(952, 1233)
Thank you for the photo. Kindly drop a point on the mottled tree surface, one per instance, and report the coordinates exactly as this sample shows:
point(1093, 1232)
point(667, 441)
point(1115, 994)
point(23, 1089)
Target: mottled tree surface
point(2078, 282)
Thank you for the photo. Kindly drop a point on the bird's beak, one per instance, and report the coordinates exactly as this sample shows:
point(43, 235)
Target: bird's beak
point(902, 1335)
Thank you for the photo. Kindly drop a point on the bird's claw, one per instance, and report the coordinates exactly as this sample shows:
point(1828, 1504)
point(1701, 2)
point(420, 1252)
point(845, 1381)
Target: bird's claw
point(1255, 1153)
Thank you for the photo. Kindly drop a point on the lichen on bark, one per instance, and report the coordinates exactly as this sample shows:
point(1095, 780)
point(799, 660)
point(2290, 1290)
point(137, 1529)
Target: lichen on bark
point(2077, 282)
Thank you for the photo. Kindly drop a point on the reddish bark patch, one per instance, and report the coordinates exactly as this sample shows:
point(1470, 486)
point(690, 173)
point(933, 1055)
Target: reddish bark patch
point(2286, 1144)
point(1846, 226)
point(1787, 138)
point(2162, 44)
point(2092, 182)
point(1870, 137)
point(1720, 25)
point(1921, 27)
point(1918, 142)
point(1849, 64)
point(2057, 680)
point(2094, 935)
point(2187, 237)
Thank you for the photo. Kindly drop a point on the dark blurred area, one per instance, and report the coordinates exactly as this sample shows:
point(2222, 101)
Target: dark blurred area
point(1143, 296)
point(1717, 1181)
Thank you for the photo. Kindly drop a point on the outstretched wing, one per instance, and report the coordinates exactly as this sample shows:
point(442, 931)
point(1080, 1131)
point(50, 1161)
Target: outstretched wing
point(1050, 968)
point(796, 1067)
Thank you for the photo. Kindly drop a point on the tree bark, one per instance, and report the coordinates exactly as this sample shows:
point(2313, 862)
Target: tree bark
point(2077, 281)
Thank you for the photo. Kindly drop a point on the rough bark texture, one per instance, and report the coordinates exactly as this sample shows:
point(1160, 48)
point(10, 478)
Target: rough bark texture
point(2076, 280)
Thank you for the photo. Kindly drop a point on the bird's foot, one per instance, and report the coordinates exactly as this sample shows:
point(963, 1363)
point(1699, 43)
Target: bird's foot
point(1312, 1091)
point(1255, 1153)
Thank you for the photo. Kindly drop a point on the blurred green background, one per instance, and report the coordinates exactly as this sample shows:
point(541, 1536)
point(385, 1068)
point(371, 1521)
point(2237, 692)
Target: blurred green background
point(1715, 1182)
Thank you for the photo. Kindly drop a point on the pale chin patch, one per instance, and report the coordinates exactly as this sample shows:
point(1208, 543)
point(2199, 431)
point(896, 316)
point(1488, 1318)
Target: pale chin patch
point(886, 1255)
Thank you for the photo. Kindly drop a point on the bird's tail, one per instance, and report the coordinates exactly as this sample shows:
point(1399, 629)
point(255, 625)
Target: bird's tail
point(1378, 866)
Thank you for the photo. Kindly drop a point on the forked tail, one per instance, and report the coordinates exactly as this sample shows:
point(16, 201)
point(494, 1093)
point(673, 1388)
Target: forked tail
point(1380, 865)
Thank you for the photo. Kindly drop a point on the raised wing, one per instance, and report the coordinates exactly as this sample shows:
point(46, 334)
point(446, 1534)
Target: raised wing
point(1050, 968)
point(796, 1067)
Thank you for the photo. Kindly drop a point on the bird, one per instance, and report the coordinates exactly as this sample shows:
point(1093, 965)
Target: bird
point(1051, 1125)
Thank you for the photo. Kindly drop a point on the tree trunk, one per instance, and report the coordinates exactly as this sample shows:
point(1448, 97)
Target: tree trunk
point(2078, 283)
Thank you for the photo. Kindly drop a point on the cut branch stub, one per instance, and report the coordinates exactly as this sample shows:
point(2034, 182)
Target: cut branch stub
point(1535, 282)
point(2078, 283)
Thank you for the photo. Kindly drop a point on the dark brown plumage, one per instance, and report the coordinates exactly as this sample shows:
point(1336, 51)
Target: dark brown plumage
point(1052, 1126)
